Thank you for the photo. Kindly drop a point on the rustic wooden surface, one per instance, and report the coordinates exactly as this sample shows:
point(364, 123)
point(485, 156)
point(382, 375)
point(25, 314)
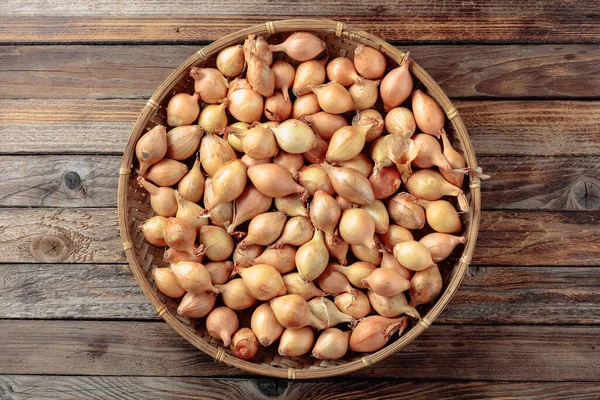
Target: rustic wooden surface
point(526, 80)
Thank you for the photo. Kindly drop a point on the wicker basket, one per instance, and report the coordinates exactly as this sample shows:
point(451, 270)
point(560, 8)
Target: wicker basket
point(134, 205)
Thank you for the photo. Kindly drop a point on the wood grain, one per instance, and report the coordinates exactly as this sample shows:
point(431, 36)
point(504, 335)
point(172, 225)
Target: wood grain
point(90, 235)
point(59, 181)
point(526, 183)
point(488, 295)
point(157, 387)
point(463, 71)
point(67, 126)
point(442, 352)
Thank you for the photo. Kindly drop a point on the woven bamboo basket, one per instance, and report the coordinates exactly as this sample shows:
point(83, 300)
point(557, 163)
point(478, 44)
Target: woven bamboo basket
point(134, 208)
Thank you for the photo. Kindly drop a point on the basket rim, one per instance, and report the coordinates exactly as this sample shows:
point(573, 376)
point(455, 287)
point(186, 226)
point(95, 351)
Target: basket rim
point(349, 32)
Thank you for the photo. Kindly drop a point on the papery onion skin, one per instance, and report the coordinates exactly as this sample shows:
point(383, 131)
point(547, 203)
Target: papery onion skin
point(300, 46)
point(369, 63)
point(151, 147)
point(153, 230)
point(441, 245)
point(332, 344)
point(183, 109)
point(230, 61)
point(413, 255)
point(425, 286)
point(386, 183)
point(296, 342)
point(342, 71)
point(162, 199)
point(428, 114)
point(397, 85)
point(310, 72)
point(373, 332)
point(221, 324)
point(244, 344)
point(166, 282)
point(350, 184)
point(196, 305)
point(325, 124)
point(355, 304)
point(210, 84)
point(235, 295)
point(265, 326)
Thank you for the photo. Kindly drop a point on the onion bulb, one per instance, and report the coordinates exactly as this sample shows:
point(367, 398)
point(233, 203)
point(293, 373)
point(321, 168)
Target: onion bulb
point(244, 104)
point(342, 71)
point(413, 255)
point(214, 152)
point(300, 46)
point(405, 211)
point(313, 177)
point(259, 75)
point(441, 245)
point(425, 286)
point(213, 118)
point(166, 282)
point(244, 344)
point(357, 227)
point(356, 272)
point(277, 108)
point(151, 147)
point(393, 306)
point(428, 184)
point(296, 342)
point(162, 199)
point(316, 155)
point(304, 105)
point(296, 285)
point(249, 161)
point(283, 259)
point(166, 172)
point(183, 109)
point(310, 72)
point(386, 282)
point(258, 143)
point(297, 231)
point(441, 216)
point(380, 216)
point(293, 312)
point(221, 215)
point(355, 304)
point(173, 256)
point(350, 184)
point(292, 205)
point(332, 281)
point(312, 257)
point(221, 324)
point(262, 281)
point(332, 344)
point(259, 47)
point(361, 163)
point(291, 162)
point(153, 230)
point(325, 214)
point(456, 161)
point(372, 333)
point(394, 235)
point(284, 77)
point(230, 61)
point(196, 305)
point(364, 93)
point(264, 229)
point(389, 261)
point(228, 183)
point(429, 152)
point(325, 124)
point(338, 249)
point(397, 85)
point(210, 84)
point(180, 235)
point(333, 97)
point(192, 277)
point(219, 271)
point(386, 183)
point(428, 114)
point(370, 117)
point(190, 212)
point(216, 243)
point(235, 295)
point(328, 313)
point(233, 140)
point(248, 205)
point(191, 186)
point(369, 63)
point(265, 326)
point(273, 180)
point(392, 149)
point(364, 253)
point(294, 136)
point(400, 121)
point(346, 143)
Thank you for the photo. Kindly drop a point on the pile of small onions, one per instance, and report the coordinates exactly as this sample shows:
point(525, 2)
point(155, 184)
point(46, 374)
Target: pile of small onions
point(316, 195)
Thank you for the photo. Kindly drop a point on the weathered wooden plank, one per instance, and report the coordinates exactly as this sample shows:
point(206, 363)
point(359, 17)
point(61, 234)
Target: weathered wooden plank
point(465, 71)
point(496, 127)
point(488, 295)
point(59, 181)
point(88, 235)
point(471, 352)
point(527, 183)
point(157, 387)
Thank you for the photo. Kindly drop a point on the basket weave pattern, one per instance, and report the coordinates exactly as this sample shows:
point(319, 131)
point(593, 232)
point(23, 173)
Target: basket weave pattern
point(134, 207)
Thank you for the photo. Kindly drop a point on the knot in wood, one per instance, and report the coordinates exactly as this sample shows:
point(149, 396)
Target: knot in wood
point(271, 389)
point(72, 180)
point(50, 248)
point(585, 194)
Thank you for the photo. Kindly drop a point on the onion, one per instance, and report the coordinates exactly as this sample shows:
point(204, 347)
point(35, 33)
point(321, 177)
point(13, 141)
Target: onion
point(389, 261)
point(346, 143)
point(273, 180)
point(355, 304)
point(304, 105)
point(153, 230)
point(370, 117)
point(361, 163)
point(364, 253)
point(309, 73)
point(213, 118)
point(166, 282)
point(328, 313)
point(151, 147)
point(166, 172)
point(325, 214)
point(429, 152)
point(259, 75)
point(216, 243)
point(316, 155)
point(221, 215)
point(297, 231)
point(248, 205)
point(343, 203)
point(356, 272)
point(406, 212)
point(386, 183)
point(300, 46)
point(442, 216)
point(392, 149)
point(249, 161)
point(350, 184)
point(296, 285)
point(277, 108)
point(296, 342)
point(180, 235)
point(244, 344)
point(219, 271)
point(333, 97)
point(334, 282)
point(386, 282)
point(162, 199)
point(325, 124)
point(245, 104)
point(230, 61)
point(380, 216)
point(210, 84)
point(183, 109)
point(258, 143)
point(313, 177)
point(441, 245)
point(173, 256)
point(221, 323)
point(338, 249)
point(397, 85)
point(357, 227)
point(456, 161)
point(192, 277)
point(331, 345)
point(235, 295)
point(342, 71)
point(291, 162)
point(264, 229)
point(413, 255)
point(259, 47)
point(242, 258)
point(190, 212)
point(214, 152)
point(369, 62)
point(425, 286)
point(400, 121)
point(391, 307)
point(394, 235)
point(191, 186)
point(428, 184)
point(234, 141)
point(364, 93)
point(283, 259)
point(293, 312)
point(196, 305)
point(262, 281)
point(312, 257)
point(228, 183)
point(428, 114)
point(372, 333)
point(284, 77)
point(292, 205)
point(294, 136)
point(265, 326)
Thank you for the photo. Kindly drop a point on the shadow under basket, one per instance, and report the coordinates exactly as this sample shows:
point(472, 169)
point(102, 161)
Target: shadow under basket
point(134, 207)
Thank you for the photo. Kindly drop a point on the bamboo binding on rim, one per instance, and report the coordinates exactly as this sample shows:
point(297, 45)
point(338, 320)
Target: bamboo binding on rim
point(134, 208)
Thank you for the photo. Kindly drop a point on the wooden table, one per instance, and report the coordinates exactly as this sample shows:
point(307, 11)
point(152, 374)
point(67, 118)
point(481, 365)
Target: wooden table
point(526, 79)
